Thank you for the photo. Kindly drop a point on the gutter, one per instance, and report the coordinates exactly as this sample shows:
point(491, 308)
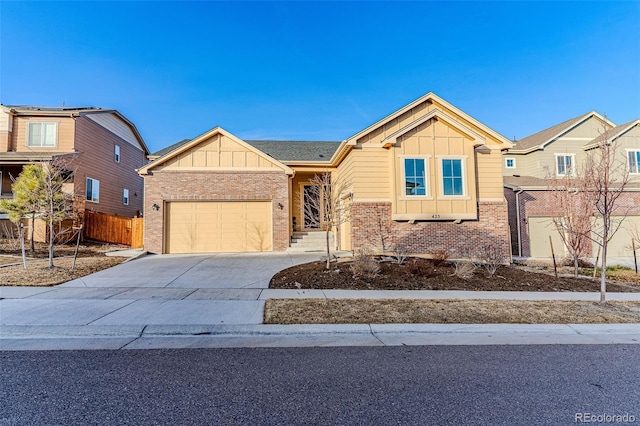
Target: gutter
point(518, 221)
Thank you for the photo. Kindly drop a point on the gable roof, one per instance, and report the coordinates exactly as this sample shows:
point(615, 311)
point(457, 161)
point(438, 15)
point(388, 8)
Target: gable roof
point(542, 138)
point(430, 96)
point(184, 145)
point(44, 111)
point(612, 134)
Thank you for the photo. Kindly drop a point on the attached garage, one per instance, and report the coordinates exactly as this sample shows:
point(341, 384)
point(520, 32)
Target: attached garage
point(214, 227)
point(620, 243)
point(540, 229)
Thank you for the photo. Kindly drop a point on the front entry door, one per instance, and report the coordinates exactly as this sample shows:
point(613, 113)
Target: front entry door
point(311, 207)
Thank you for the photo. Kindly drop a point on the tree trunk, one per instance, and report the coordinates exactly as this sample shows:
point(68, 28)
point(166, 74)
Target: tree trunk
point(33, 229)
point(328, 249)
point(575, 266)
point(51, 236)
point(603, 274)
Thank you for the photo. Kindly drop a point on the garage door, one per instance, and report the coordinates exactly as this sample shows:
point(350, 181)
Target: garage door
point(229, 226)
point(620, 244)
point(540, 228)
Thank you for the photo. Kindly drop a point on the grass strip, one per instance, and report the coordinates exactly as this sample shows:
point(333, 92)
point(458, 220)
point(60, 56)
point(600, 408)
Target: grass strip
point(393, 311)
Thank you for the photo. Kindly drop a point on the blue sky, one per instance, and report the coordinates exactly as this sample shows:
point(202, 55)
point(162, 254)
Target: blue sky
point(321, 71)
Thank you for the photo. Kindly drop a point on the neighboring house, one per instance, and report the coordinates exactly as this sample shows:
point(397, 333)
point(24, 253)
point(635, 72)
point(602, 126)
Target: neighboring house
point(106, 147)
point(531, 165)
point(428, 173)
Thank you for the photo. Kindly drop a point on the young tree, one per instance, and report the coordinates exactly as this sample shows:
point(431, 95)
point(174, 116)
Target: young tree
point(27, 191)
point(326, 205)
point(40, 191)
point(573, 199)
point(607, 176)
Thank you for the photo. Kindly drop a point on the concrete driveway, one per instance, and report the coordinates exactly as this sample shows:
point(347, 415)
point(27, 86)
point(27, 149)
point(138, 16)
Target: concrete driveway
point(154, 290)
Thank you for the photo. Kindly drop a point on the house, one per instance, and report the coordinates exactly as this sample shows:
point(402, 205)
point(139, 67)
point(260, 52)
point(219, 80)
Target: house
point(106, 147)
point(531, 165)
point(428, 174)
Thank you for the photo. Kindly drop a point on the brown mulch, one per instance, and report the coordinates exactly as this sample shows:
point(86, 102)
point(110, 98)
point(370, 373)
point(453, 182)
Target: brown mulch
point(422, 274)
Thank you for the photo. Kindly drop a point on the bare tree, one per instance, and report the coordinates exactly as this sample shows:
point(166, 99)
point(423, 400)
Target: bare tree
point(326, 205)
point(607, 175)
point(575, 201)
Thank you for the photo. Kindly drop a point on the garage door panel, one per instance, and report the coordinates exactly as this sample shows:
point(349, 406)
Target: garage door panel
point(540, 229)
point(229, 226)
point(620, 243)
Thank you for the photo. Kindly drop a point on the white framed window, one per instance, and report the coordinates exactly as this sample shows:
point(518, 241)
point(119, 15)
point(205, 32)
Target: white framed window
point(42, 134)
point(634, 162)
point(93, 190)
point(510, 163)
point(125, 197)
point(452, 177)
point(116, 153)
point(565, 164)
point(415, 177)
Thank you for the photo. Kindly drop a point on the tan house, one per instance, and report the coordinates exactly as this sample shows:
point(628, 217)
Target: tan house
point(530, 166)
point(428, 173)
point(106, 146)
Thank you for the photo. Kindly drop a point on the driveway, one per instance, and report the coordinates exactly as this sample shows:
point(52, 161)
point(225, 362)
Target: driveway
point(154, 290)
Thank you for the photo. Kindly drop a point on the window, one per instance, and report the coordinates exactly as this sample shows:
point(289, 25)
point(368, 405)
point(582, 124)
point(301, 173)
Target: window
point(634, 162)
point(452, 178)
point(415, 177)
point(510, 163)
point(564, 164)
point(42, 134)
point(93, 190)
point(116, 155)
point(125, 197)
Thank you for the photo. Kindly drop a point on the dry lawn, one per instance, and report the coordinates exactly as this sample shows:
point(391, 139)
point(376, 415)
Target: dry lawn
point(39, 274)
point(389, 311)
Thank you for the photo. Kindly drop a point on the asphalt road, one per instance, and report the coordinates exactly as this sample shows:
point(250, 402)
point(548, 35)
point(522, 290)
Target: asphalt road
point(428, 385)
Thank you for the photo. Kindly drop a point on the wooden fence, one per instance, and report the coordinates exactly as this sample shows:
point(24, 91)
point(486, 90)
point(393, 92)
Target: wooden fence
point(114, 229)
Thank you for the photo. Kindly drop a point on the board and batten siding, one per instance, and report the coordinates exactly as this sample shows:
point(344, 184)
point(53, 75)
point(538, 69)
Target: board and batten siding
point(96, 146)
point(433, 140)
point(219, 151)
point(64, 137)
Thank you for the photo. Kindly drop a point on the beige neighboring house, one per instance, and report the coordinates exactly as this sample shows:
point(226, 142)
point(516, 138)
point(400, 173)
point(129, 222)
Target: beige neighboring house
point(530, 165)
point(106, 146)
point(428, 173)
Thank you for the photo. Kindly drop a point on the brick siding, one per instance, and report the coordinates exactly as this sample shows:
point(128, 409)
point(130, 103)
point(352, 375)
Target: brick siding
point(540, 203)
point(162, 186)
point(458, 240)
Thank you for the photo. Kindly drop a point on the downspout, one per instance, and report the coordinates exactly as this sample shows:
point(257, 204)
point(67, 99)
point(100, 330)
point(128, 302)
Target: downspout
point(518, 221)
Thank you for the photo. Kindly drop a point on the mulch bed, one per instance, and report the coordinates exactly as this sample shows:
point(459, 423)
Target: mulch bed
point(422, 274)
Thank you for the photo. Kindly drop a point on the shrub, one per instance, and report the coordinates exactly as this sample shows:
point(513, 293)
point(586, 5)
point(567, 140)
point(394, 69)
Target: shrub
point(400, 254)
point(365, 265)
point(491, 258)
point(419, 267)
point(464, 269)
point(439, 257)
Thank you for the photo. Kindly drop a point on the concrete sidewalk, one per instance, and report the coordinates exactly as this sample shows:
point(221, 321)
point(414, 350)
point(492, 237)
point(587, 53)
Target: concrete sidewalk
point(218, 301)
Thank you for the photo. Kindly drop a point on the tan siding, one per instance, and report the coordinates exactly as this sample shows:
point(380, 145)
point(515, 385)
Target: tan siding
point(432, 140)
point(219, 151)
point(96, 160)
point(65, 136)
point(490, 175)
point(629, 141)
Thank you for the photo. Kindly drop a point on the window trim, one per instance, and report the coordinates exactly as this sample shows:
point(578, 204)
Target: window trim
point(637, 152)
point(427, 183)
point(116, 153)
point(573, 162)
point(125, 196)
point(506, 163)
point(92, 200)
point(41, 123)
point(463, 164)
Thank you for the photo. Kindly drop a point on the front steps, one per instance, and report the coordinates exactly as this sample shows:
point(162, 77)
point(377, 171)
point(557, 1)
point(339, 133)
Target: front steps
point(313, 241)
